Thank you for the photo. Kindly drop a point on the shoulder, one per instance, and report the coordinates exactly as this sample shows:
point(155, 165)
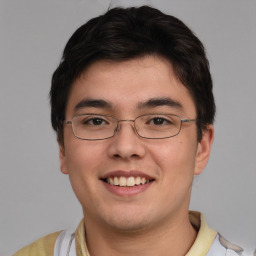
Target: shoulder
point(221, 246)
point(41, 247)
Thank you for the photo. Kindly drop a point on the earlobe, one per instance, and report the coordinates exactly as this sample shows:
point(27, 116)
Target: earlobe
point(204, 149)
point(62, 157)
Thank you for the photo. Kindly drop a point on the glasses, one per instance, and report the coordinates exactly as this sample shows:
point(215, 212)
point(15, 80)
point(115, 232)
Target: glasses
point(148, 126)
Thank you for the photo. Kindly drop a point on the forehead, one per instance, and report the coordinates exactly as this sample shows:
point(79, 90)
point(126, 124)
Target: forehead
point(129, 84)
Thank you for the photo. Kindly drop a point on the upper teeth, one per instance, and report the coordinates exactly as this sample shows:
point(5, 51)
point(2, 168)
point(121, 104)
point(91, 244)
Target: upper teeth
point(127, 182)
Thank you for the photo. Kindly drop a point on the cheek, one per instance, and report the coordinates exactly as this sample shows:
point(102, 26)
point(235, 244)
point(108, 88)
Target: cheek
point(83, 161)
point(175, 162)
point(175, 158)
point(83, 156)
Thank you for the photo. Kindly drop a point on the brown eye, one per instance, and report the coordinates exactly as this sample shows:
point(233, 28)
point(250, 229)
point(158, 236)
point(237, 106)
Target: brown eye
point(159, 121)
point(94, 121)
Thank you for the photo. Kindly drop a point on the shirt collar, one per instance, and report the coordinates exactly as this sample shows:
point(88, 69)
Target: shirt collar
point(205, 235)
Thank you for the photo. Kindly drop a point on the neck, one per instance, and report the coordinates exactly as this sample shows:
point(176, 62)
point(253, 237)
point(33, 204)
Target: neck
point(168, 238)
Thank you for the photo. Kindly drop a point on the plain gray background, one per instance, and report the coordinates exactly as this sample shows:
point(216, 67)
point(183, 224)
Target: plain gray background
point(36, 199)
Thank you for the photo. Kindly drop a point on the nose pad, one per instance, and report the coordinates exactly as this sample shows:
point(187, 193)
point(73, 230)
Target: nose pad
point(118, 127)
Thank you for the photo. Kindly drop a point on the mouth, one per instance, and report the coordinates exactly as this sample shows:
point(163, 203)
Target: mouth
point(127, 183)
point(130, 181)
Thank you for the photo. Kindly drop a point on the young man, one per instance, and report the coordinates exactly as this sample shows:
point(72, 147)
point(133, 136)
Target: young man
point(133, 109)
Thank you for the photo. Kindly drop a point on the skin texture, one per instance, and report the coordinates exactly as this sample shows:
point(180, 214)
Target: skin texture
point(159, 213)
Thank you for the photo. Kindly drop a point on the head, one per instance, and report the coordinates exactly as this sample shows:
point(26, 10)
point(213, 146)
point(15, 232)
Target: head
point(122, 63)
point(125, 34)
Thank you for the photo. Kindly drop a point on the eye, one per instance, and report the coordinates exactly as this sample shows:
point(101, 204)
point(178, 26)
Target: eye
point(159, 121)
point(94, 121)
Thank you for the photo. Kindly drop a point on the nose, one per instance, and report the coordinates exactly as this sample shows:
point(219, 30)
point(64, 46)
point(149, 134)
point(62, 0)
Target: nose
point(126, 143)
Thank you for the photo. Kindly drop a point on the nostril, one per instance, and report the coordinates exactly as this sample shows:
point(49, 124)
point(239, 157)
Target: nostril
point(130, 156)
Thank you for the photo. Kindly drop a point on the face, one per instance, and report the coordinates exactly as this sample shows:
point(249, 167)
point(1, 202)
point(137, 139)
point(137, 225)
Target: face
point(125, 90)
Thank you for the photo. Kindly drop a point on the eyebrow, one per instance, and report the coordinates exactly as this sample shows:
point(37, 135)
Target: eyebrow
point(157, 102)
point(94, 103)
point(151, 103)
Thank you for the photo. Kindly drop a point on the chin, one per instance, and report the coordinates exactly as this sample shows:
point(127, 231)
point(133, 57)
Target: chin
point(128, 220)
point(128, 225)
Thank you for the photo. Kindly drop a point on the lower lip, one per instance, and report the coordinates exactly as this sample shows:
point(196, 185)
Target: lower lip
point(127, 191)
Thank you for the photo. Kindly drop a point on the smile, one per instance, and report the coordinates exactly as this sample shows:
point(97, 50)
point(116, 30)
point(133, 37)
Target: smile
point(127, 181)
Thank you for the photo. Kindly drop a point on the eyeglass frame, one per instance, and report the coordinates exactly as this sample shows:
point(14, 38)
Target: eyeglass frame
point(182, 120)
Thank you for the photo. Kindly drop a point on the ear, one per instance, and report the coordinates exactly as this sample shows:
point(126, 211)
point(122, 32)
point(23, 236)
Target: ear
point(62, 156)
point(204, 149)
